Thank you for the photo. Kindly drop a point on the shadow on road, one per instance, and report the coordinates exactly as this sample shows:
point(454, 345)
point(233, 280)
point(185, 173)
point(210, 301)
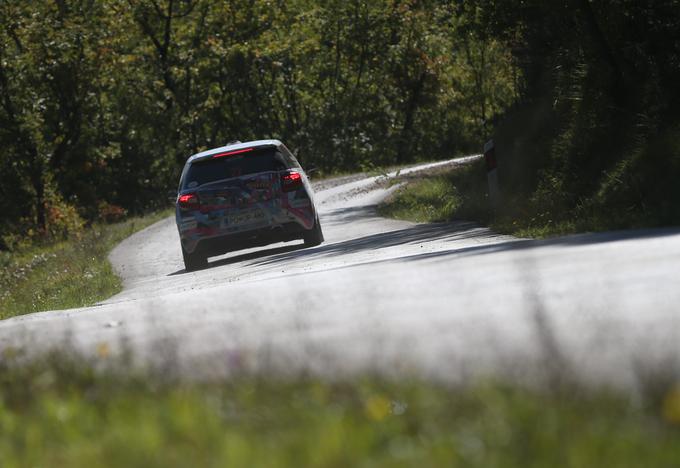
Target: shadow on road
point(246, 256)
point(421, 233)
point(452, 232)
point(457, 231)
point(348, 215)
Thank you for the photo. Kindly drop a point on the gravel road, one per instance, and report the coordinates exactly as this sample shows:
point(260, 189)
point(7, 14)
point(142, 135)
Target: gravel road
point(445, 301)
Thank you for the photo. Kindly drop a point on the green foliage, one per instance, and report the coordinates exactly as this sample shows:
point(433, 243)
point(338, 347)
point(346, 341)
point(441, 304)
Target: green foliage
point(462, 194)
point(62, 221)
point(62, 412)
point(592, 144)
point(59, 275)
point(458, 193)
point(424, 201)
point(105, 100)
point(101, 102)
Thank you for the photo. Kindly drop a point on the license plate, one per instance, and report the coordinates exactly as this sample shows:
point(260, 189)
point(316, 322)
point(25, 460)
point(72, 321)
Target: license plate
point(245, 217)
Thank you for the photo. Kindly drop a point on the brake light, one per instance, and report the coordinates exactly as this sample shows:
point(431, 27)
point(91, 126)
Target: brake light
point(231, 153)
point(291, 181)
point(188, 201)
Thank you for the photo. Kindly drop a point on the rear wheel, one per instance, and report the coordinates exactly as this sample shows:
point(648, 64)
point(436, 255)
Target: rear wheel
point(314, 236)
point(194, 261)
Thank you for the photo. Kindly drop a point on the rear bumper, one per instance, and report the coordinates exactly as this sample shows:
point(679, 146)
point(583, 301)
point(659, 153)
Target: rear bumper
point(221, 244)
point(212, 230)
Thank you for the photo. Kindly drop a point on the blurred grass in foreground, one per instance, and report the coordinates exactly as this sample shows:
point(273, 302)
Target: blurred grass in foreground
point(65, 274)
point(61, 413)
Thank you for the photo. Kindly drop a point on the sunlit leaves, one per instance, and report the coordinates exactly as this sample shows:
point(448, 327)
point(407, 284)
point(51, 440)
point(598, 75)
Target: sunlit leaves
point(112, 97)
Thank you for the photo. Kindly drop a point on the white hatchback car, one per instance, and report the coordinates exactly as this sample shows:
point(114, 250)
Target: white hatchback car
point(243, 195)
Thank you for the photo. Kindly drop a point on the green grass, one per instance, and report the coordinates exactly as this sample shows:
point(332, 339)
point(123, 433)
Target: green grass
point(458, 193)
point(66, 274)
point(62, 414)
point(435, 200)
point(461, 193)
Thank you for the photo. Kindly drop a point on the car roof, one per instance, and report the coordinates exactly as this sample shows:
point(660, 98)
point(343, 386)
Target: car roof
point(234, 147)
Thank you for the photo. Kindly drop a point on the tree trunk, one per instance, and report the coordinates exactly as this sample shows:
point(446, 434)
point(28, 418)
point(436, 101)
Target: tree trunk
point(411, 108)
point(618, 78)
point(38, 183)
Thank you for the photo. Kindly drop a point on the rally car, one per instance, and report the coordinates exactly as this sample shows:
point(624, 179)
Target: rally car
point(243, 195)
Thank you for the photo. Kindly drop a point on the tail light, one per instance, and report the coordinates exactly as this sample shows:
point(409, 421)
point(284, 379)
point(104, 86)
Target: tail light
point(188, 201)
point(291, 181)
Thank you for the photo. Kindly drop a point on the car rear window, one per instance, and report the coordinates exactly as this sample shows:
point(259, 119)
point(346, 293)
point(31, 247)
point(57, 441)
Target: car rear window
point(211, 170)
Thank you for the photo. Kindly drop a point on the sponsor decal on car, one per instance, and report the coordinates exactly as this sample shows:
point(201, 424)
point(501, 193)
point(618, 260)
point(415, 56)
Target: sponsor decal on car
point(259, 184)
point(246, 217)
point(188, 224)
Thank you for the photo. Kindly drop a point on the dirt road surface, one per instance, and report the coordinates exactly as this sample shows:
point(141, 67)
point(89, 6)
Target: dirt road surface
point(445, 301)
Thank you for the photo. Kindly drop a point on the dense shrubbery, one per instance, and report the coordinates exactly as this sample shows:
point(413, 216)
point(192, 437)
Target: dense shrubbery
point(39, 275)
point(594, 139)
point(103, 101)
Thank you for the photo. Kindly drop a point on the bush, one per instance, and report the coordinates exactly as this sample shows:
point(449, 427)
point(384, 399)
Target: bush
point(110, 213)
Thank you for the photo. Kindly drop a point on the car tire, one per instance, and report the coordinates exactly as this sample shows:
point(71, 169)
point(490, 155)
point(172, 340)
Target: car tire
point(194, 261)
point(314, 236)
